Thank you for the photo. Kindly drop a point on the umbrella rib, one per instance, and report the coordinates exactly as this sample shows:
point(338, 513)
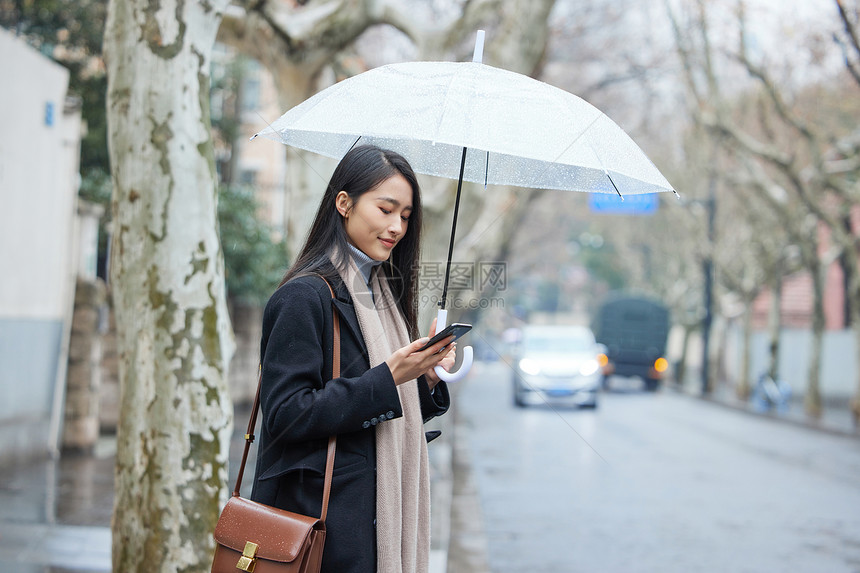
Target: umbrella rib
point(577, 138)
point(284, 141)
point(444, 108)
point(606, 171)
point(613, 184)
point(353, 145)
point(281, 137)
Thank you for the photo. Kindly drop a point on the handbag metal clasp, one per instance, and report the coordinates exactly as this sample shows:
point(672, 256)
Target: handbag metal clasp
point(249, 557)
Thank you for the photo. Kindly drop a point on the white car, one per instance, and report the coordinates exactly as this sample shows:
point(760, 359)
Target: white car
point(557, 363)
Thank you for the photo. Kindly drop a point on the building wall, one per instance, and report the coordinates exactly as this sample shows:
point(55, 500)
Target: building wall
point(39, 151)
point(838, 360)
point(797, 291)
point(259, 161)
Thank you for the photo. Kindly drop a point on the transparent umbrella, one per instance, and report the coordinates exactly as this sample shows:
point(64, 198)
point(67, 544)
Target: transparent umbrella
point(473, 122)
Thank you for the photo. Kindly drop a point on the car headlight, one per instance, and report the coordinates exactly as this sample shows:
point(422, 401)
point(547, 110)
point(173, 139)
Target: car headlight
point(589, 367)
point(529, 366)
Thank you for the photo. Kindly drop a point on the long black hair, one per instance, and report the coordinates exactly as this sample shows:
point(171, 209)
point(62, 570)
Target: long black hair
point(361, 170)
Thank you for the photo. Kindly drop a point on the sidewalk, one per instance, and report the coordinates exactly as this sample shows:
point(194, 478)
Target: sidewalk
point(55, 514)
point(835, 416)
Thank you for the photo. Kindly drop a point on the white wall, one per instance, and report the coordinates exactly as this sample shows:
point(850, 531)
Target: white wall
point(838, 368)
point(39, 164)
point(37, 189)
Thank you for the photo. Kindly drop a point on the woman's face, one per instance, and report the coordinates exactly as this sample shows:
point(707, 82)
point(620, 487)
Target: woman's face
point(377, 221)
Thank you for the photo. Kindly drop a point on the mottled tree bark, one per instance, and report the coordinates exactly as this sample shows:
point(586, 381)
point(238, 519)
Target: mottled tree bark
point(167, 279)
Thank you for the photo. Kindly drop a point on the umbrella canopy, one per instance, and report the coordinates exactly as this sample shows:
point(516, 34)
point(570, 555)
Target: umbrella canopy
point(473, 122)
point(519, 131)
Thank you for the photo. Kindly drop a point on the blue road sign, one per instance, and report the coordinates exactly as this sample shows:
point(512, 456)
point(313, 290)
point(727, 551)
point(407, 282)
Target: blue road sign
point(609, 204)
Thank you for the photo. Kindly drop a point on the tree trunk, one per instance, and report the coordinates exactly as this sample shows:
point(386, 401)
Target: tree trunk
point(744, 386)
point(851, 268)
point(855, 402)
point(167, 277)
point(681, 365)
point(307, 176)
point(812, 400)
point(775, 326)
point(855, 323)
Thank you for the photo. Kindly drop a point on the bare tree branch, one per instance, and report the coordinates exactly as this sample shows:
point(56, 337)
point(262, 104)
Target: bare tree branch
point(713, 86)
point(851, 31)
point(685, 54)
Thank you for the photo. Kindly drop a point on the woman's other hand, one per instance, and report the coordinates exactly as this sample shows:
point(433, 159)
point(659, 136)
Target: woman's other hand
point(446, 363)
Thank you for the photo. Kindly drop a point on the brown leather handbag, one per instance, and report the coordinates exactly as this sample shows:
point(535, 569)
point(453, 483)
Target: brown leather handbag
point(254, 537)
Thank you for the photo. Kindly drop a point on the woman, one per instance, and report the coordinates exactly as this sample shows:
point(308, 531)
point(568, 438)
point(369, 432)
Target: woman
point(365, 243)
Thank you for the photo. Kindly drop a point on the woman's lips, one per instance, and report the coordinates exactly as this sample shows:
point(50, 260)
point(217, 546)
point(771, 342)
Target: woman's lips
point(388, 242)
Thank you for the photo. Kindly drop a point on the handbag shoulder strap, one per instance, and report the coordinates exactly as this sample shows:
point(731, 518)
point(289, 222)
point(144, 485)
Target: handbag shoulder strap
point(332, 441)
point(335, 373)
point(249, 435)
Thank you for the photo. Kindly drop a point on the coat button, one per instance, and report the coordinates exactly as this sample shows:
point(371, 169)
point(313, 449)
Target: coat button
point(374, 421)
point(390, 414)
point(365, 425)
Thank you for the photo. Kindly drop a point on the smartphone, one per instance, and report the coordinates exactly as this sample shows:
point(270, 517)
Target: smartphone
point(458, 329)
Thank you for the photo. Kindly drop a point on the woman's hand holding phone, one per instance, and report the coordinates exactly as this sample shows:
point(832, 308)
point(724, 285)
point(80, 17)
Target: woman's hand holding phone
point(417, 358)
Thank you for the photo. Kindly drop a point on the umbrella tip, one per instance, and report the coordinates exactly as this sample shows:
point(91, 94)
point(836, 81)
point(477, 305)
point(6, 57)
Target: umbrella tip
point(478, 56)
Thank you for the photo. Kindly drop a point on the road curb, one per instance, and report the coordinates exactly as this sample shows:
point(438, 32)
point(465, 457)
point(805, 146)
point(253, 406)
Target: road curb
point(468, 551)
point(801, 421)
point(441, 488)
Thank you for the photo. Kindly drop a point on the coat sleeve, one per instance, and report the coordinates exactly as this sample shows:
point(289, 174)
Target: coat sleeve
point(298, 403)
point(435, 403)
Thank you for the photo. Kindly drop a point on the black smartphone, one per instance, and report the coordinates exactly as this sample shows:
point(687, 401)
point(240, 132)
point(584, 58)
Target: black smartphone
point(458, 329)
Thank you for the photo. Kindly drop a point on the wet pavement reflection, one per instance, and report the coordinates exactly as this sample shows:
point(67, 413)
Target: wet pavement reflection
point(55, 514)
point(76, 490)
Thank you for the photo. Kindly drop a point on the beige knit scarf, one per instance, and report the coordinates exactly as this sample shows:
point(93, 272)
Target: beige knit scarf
point(402, 467)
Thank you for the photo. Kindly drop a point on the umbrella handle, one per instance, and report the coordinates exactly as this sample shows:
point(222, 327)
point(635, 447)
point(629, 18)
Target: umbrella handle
point(468, 355)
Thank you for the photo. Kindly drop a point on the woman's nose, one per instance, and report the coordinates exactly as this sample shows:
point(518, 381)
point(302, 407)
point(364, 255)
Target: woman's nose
point(396, 227)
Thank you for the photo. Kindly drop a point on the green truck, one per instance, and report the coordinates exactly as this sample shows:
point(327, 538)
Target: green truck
point(634, 330)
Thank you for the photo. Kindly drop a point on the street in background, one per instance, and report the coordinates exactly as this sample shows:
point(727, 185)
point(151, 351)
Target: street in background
point(654, 482)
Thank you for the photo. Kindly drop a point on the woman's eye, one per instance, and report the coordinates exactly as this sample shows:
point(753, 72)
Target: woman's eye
point(405, 219)
point(386, 211)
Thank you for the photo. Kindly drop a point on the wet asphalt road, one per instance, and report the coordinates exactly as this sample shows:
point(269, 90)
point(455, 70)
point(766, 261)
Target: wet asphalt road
point(656, 482)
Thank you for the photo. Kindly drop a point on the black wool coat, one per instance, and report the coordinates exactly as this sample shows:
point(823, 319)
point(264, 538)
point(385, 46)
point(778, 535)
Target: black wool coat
point(302, 406)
